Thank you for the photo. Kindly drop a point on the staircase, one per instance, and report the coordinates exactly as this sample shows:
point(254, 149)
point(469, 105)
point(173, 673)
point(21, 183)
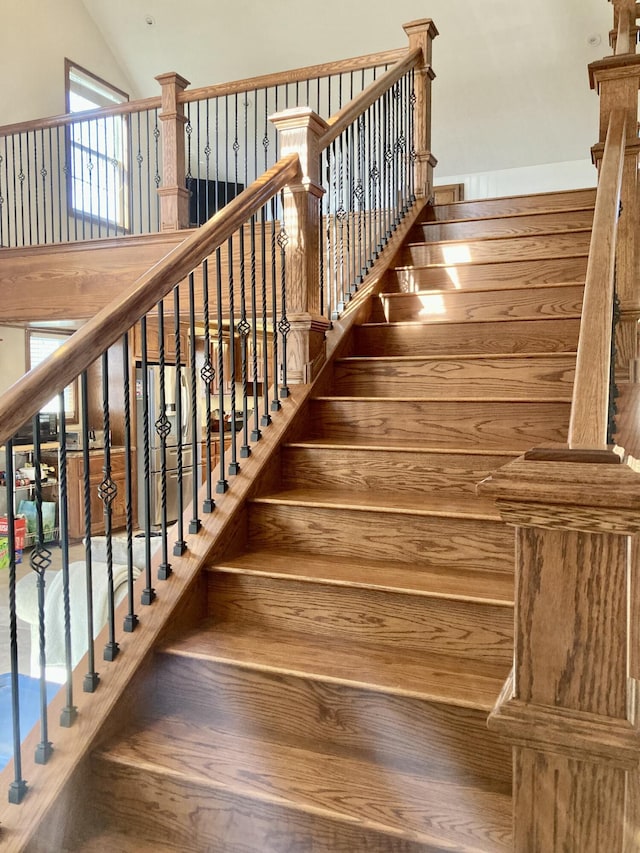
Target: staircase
point(335, 698)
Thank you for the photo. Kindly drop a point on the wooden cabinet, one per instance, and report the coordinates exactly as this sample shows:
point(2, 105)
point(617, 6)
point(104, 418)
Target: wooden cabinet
point(153, 344)
point(75, 479)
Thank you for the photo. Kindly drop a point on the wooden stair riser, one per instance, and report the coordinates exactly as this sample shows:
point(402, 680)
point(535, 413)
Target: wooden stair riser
point(377, 470)
point(488, 275)
point(510, 336)
point(193, 817)
point(505, 226)
point(402, 538)
point(457, 306)
point(483, 424)
point(511, 205)
point(568, 245)
point(522, 377)
point(366, 616)
point(417, 736)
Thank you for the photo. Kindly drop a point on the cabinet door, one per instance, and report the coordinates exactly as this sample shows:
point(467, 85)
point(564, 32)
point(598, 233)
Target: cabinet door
point(153, 347)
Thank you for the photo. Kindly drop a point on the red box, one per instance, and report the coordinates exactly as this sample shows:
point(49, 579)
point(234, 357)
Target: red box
point(19, 528)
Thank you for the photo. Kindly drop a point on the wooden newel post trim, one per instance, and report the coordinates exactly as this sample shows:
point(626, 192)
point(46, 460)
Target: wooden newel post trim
point(299, 130)
point(174, 195)
point(569, 708)
point(421, 34)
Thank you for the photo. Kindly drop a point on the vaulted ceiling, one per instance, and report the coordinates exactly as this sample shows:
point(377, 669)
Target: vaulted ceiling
point(511, 88)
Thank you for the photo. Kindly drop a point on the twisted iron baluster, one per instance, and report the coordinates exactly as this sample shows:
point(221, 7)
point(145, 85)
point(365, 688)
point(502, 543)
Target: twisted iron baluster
point(40, 560)
point(180, 546)
point(195, 523)
point(222, 485)
point(148, 593)
point(243, 330)
point(130, 620)
point(266, 417)
point(69, 712)
point(17, 788)
point(107, 490)
point(234, 465)
point(92, 678)
point(163, 429)
point(256, 434)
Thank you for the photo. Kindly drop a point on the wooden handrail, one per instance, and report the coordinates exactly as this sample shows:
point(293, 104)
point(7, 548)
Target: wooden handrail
point(86, 115)
point(30, 393)
point(590, 403)
point(625, 10)
point(348, 114)
point(309, 72)
point(296, 75)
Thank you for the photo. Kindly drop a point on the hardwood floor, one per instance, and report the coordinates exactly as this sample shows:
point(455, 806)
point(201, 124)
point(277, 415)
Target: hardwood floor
point(360, 628)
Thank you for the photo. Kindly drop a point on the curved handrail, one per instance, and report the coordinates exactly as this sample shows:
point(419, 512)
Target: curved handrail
point(339, 122)
point(590, 403)
point(32, 391)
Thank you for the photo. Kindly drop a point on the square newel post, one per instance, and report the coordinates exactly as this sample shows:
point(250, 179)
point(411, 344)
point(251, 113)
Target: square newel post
point(617, 79)
point(299, 130)
point(174, 195)
point(570, 707)
point(421, 34)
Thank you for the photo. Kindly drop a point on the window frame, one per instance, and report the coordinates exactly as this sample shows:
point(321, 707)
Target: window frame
point(72, 416)
point(120, 201)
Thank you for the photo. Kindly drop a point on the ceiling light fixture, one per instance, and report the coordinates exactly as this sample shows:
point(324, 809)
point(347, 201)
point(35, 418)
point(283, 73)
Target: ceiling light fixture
point(594, 40)
point(150, 21)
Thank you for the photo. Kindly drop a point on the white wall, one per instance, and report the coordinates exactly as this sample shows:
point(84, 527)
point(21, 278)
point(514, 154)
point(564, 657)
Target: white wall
point(575, 174)
point(12, 355)
point(37, 35)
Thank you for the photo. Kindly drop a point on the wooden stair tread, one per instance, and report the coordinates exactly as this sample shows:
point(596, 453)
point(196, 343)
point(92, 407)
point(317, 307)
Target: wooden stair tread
point(479, 238)
point(479, 356)
point(463, 506)
point(431, 291)
point(514, 215)
point(343, 788)
point(463, 584)
point(560, 398)
point(108, 841)
point(458, 681)
point(403, 324)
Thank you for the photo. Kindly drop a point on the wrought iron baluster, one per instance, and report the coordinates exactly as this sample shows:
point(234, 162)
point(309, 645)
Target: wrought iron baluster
point(266, 417)
point(256, 434)
point(140, 162)
point(222, 484)
point(107, 491)
point(130, 620)
point(234, 465)
point(148, 182)
point(243, 330)
point(275, 402)
point(180, 546)
point(40, 560)
point(412, 149)
point(18, 787)
point(69, 713)
point(91, 678)
point(195, 523)
point(208, 374)
point(163, 430)
point(36, 207)
point(149, 593)
point(207, 158)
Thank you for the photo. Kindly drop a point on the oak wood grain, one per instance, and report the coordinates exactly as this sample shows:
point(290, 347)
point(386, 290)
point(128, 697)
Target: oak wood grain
point(456, 306)
point(512, 205)
point(527, 377)
point(506, 226)
point(508, 336)
point(507, 274)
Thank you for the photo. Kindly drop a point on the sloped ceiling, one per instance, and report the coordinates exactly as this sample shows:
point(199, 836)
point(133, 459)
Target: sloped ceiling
point(511, 88)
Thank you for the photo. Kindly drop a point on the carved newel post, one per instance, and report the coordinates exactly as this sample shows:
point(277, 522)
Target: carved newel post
point(570, 708)
point(299, 131)
point(421, 34)
point(174, 195)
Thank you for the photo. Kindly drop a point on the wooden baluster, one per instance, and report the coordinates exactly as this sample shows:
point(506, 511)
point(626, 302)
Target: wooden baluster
point(569, 709)
point(174, 196)
point(421, 34)
point(299, 131)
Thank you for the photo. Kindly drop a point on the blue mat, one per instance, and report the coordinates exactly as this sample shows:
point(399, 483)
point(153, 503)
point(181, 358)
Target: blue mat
point(29, 693)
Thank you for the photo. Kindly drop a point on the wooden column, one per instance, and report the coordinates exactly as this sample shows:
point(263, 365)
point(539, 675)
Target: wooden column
point(421, 34)
point(299, 130)
point(617, 79)
point(570, 707)
point(174, 196)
